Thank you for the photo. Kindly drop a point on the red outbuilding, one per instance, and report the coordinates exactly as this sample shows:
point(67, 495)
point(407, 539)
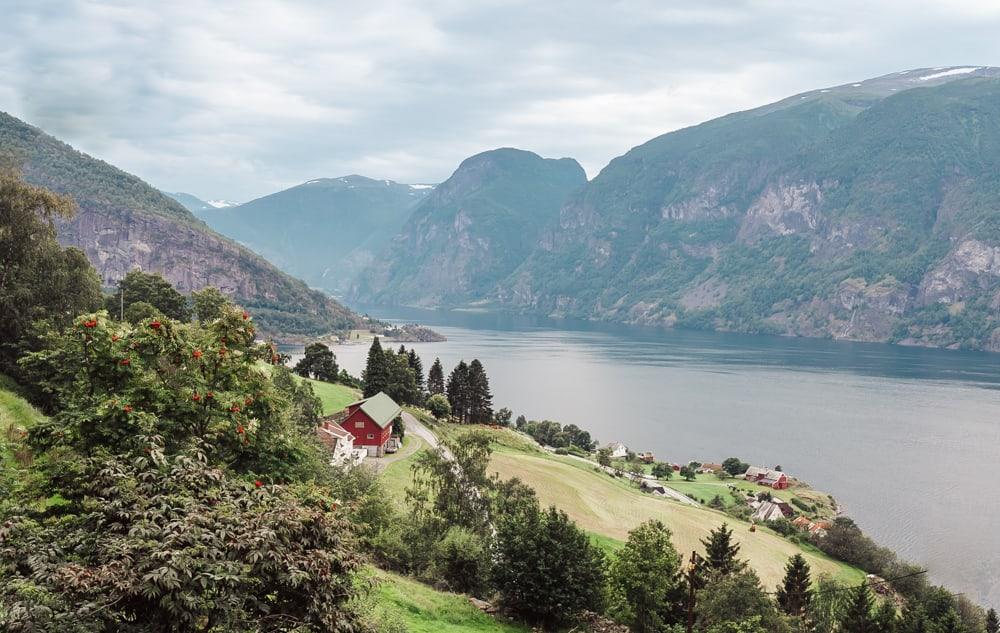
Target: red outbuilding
point(370, 422)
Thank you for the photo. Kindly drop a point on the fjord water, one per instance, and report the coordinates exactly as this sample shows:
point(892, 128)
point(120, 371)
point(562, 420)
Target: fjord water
point(906, 439)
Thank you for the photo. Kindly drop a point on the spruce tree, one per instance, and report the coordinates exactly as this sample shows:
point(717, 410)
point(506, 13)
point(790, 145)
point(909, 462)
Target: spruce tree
point(480, 398)
point(858, 617)
point(435, 378)
point(992, 622)
point(417, 366)
point(794, 594)
point(376, 375)
point(458, 392)
point(721, 551)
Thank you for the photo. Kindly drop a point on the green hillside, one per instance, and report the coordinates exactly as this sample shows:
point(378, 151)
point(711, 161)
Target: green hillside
point(866, 212)
point(472, 230)
point(123, 223)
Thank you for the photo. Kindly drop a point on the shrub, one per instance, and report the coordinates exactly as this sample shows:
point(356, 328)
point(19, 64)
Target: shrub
point(461, 561)
point(439, 406)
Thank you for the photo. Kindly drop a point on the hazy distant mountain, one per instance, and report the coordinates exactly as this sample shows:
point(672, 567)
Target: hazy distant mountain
point(866, 211)
point(473, 230)
point(200, 208)
point(123, 223)
point(324, 230)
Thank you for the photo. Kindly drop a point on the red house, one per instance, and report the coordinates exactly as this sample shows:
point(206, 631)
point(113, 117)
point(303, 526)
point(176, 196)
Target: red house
point(370, 422)
point(767, 477)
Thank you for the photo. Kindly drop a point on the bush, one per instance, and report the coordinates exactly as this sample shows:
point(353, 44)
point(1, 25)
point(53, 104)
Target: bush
point(439, 406)
point(562, 451)
point(461, 561)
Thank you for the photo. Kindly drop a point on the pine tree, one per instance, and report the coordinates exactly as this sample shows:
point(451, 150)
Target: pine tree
point(418, 368)
point(376, 375)
point(794, 594)
point(458, 392)
point(435, 378)
point(402, 350)
point(480, 398)
point(886, 618)
point(992, 622)
point(858, 617)
point(721, 552)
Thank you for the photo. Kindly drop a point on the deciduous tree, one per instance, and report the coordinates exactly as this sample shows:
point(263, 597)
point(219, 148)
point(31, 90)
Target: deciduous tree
point(645, 582)
point(318, 362)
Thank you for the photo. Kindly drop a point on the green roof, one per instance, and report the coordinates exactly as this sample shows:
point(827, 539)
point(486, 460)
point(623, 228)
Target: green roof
point(380, 408)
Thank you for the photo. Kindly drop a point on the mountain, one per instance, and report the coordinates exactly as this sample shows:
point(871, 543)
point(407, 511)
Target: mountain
point(869, 211)
point(324, 230)
point(472, 231)
point(123, 223)
point(195, 205)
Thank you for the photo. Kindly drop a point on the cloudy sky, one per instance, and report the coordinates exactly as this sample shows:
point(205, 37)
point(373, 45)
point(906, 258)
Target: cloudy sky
point(238, 99)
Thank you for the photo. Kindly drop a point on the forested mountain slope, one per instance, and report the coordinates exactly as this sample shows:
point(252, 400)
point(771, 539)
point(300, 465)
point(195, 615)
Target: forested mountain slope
point(473, 230)
point(869, 211)
point(123, 223)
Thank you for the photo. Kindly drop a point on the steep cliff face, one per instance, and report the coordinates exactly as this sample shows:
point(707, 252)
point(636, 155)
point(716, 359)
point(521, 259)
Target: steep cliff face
point(472, 230)
point(869, 211)
point(123, 223)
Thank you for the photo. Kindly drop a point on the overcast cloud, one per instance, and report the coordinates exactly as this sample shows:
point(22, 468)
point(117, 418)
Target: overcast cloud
point(239, 99)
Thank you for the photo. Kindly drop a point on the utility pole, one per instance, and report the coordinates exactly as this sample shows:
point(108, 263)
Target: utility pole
point(121, 309)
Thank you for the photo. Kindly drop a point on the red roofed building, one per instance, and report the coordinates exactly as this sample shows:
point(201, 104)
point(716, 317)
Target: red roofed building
point(370, 422)
point(767, 477)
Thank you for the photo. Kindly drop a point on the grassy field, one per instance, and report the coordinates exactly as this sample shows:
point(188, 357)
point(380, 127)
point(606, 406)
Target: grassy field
point(425, 610)
point(705, 487)
point(608, 507)
point(334, 396)
point(396, 476)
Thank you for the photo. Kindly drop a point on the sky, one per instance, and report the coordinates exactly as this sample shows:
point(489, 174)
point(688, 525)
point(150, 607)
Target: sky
point(236, 100)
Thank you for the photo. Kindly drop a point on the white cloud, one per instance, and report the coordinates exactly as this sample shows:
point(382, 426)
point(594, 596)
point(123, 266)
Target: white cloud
point(235, 99)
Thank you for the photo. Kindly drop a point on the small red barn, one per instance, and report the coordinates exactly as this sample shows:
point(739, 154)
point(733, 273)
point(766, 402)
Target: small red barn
point(767, 477)
point(370, 422)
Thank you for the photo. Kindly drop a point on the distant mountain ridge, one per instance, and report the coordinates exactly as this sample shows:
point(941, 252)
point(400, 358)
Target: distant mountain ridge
point(866, 211)
point(123, 223)
point(324, 230)
point(472, 231)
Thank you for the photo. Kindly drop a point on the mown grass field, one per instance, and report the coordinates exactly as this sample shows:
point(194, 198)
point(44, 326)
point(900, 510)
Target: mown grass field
point(334, 396)
point(610, 508)
point(16, 413)
point(705, 487)
point(425, 610)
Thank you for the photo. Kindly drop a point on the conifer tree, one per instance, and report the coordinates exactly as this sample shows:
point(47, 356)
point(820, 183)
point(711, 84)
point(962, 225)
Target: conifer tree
point(721, 551)
point(480, 398)
point(992, 622)
point(402, 350)
point(458, 392)
point(418, 368)
point(794, 594)
point(435, 378)
point(858, 617)
point(376, 375)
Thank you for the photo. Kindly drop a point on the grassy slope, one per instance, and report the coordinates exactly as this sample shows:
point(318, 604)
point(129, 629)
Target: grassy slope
point(705, 487)
point(14, 411)
point(610, 508)
point(426, 610)
point(334, 396)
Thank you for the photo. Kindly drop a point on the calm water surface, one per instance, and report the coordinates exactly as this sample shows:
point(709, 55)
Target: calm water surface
point(906, 439)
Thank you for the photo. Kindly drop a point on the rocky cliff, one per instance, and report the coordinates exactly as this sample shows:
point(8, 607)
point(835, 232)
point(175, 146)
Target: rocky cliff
point(472, 231)
point(123, 223)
